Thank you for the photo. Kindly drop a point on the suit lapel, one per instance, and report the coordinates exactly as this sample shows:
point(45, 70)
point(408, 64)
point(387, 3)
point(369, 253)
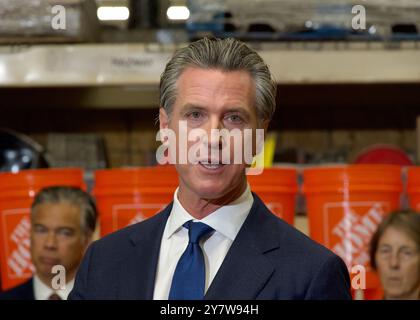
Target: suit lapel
point(246, 270)
point(137, 272)
point(29, 290)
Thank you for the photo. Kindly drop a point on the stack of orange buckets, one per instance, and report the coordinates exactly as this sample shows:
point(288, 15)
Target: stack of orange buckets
point(413, 187)
point(345, 204)
point(277, 188)
point(127, 196)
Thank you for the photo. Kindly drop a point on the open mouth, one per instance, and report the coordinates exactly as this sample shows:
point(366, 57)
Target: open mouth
point(211, 166)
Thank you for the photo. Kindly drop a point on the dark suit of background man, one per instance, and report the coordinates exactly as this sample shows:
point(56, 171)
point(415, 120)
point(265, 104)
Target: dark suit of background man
point(217, 239)
point(63, 220)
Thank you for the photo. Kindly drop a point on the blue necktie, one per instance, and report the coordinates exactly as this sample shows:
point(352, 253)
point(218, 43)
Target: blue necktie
point(188, 282)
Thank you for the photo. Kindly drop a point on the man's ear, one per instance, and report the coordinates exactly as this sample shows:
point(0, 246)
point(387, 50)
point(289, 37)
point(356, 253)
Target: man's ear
point(264, 125)
point(163, 119)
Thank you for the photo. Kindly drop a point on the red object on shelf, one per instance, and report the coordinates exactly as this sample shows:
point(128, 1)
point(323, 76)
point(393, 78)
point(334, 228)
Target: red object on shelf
point(383, 154)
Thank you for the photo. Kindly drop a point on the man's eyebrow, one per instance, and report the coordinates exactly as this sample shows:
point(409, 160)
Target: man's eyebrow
point(240, 110)
point(65, 228)
point(191, 106)
point(39, 225)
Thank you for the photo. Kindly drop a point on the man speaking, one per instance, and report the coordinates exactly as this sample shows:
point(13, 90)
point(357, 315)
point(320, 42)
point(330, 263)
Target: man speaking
point(217, 239)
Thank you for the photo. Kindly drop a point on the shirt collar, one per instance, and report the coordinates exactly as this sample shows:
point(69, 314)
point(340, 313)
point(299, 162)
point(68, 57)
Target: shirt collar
point(43, 292)
point(226, 220)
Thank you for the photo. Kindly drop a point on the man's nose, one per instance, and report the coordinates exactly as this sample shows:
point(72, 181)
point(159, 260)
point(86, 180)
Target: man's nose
point(50, 241)
point(213, 133)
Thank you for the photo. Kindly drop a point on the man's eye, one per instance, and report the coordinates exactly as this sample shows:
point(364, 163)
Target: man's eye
point(65, 233)
point(194, 115)
point(39, 229)
point(235, 118)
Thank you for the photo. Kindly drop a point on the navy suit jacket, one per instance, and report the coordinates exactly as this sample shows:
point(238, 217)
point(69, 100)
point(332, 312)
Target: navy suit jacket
point(269, 259)
point(25, 291)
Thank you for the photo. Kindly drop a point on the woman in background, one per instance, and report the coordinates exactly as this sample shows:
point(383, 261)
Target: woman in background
point(395, 255)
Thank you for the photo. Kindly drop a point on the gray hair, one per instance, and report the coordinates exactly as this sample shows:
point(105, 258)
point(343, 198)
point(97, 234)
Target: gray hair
point(74, 196)
point(227, 55)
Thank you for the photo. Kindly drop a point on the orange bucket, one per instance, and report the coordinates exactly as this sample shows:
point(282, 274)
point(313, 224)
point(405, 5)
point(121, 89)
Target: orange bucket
point(277, 188)
point(17, 191)
point(127, 196)
point(413, 187)
point(345, 204)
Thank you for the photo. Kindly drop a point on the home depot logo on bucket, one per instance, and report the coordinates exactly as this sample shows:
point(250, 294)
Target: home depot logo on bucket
point(124, 215)
point(349, 226)
point(16, 244)
point(345, 205)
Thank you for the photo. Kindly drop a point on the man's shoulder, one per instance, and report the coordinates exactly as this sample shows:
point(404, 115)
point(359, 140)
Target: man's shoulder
point(293, 243)
point(314, 271)
point(24, 291)
point(298, 240)
point(118, 259)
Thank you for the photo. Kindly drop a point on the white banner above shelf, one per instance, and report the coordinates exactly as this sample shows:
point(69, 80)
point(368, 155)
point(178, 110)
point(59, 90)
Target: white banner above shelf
point(82, 65)
point(142, 65)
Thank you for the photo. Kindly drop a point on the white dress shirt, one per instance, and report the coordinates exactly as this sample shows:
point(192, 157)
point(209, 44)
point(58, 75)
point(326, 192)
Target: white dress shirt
point(43, 292)
point(226, 221)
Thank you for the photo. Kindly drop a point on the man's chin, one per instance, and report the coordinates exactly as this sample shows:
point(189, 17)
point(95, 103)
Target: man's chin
point(214, 192)
point(210, 193)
